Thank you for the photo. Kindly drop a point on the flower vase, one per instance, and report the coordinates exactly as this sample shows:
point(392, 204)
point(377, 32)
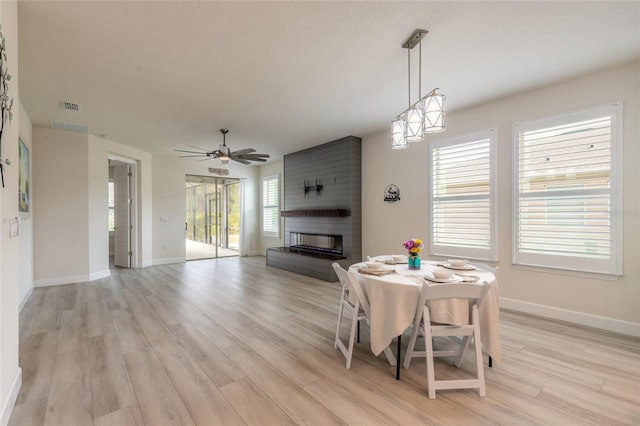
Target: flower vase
point(414, 262)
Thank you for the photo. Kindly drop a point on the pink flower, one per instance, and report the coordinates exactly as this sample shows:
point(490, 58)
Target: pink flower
point(413, 246)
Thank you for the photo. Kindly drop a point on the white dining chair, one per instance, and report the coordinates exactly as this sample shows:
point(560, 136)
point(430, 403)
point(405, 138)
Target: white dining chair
point(422, 324)
point(357, 314)
point(359, 310)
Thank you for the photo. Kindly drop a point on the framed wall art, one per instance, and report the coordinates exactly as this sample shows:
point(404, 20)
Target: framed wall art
point(24, 191)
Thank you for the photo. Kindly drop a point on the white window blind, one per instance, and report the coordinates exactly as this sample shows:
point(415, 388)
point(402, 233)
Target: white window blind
point(462, 195)
point(567, 191)
point(270, 206)
point(112, 217)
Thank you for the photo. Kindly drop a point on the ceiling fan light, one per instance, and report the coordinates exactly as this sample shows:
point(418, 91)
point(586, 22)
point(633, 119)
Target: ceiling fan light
point(224, 160)
point(398, 140)
point(434, 112)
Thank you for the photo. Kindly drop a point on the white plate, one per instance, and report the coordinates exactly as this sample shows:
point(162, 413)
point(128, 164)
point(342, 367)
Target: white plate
point(452, 279)
point(459, 268)
point(395, 262)
point(374, 269)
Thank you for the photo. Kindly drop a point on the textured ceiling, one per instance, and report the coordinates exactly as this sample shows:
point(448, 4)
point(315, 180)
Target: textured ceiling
point(284, 76)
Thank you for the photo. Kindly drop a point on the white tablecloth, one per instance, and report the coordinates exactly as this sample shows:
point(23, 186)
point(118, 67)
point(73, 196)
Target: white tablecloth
point(393, 301)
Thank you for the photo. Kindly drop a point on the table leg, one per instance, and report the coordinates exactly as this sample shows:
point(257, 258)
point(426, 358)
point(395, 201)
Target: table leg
point(398, 359)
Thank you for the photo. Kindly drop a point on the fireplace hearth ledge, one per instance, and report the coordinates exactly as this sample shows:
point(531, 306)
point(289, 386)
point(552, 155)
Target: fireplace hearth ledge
point(312, 264)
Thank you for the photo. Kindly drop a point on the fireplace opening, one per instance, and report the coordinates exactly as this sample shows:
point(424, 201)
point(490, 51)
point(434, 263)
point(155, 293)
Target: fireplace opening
point(322, 243)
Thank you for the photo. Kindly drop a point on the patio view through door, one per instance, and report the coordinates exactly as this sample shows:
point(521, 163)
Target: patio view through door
point(212, 217)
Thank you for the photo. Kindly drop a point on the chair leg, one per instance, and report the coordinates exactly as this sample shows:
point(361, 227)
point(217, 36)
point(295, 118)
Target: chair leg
point(477, 342)
point(352, 336)
point(490, 362)
point(412, 344)
point(480, 367)
point(335, 342)
point(358, 331)
point(464, 344)
point(431, 382)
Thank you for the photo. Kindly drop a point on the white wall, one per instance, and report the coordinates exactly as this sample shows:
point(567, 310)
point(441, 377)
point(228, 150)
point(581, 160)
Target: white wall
point(593, 301)
point(71, 171)
point(61, 208)
point(270, 169)
point(169, 201)
point(10, 248)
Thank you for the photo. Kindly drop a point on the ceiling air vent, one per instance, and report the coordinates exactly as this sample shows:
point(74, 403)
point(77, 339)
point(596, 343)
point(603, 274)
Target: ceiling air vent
point(81, 128)
point(70, 106)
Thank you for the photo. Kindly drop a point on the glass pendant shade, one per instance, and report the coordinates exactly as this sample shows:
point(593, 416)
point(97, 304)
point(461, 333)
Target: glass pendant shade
point(415, 123)
point(398, 127)
point(434, 113)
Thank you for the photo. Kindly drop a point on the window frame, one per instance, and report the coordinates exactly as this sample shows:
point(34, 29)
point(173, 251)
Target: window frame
point(490, 254)
point(271, 233)
point(576, 264)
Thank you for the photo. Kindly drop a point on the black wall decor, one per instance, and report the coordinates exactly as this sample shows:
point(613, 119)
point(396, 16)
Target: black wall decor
point(308, 188)
point(392, 193)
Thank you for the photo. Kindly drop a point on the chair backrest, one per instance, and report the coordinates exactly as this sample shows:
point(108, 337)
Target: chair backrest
point(350, 284)
point(475, 292)
point(456, 290)
point(342, 276)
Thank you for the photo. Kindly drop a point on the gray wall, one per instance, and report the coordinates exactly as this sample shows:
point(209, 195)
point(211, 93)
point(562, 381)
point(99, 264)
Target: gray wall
point(337, 167)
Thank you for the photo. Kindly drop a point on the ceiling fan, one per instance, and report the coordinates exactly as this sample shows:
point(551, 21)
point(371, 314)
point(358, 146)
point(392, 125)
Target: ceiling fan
point(224, 154)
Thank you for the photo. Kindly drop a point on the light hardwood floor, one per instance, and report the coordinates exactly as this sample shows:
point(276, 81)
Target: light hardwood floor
point(233, 342)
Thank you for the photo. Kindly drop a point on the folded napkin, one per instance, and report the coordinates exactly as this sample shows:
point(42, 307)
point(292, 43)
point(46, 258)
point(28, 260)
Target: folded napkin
point(378, 272)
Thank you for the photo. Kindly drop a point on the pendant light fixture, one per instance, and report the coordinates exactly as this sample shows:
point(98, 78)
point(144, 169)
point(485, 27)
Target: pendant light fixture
point(424, 116)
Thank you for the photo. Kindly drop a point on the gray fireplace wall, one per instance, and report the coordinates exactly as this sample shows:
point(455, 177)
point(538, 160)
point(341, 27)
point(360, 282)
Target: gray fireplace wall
point(337, 167)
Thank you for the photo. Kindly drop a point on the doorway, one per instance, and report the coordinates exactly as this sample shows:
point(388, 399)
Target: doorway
point(122, 212)
point(213, 217)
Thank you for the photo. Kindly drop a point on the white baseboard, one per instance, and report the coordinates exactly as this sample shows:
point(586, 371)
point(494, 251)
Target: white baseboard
point(72, 279)
point(580, 318)
point(24, 299)
point(8, 403)
point(98, 275)
point(167, 261)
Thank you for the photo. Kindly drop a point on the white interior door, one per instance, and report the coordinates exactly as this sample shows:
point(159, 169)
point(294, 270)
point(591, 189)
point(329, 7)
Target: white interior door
point(122, 213)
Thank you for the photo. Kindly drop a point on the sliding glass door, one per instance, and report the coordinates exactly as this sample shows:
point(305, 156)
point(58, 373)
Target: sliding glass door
point(213, 217)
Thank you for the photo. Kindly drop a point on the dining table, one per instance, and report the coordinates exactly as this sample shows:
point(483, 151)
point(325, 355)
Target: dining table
point(393, 294)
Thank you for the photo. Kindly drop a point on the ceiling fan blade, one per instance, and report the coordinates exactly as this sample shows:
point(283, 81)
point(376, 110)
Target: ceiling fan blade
point(193, 155)
point(250, 156)
point(197, 147)
point(192, 152)
point(241, 160)
point(243, 151)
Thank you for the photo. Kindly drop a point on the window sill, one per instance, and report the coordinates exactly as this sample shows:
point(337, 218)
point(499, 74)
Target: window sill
point(568, 272)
